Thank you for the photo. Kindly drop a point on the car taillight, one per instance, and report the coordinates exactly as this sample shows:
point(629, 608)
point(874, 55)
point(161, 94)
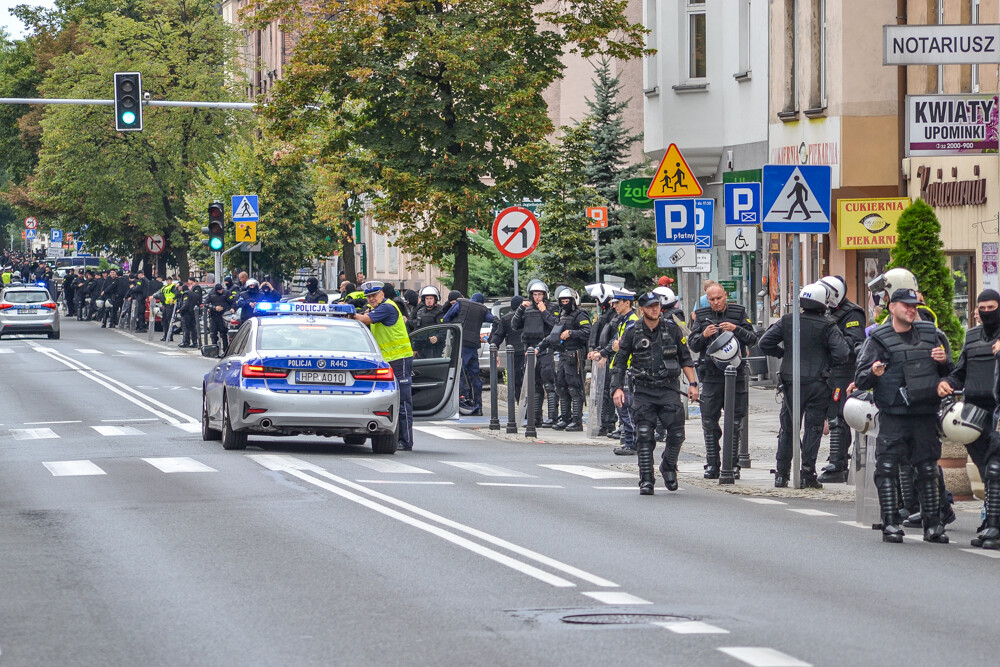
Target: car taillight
point(259, 372)
point(51, 305)
point(376, 374)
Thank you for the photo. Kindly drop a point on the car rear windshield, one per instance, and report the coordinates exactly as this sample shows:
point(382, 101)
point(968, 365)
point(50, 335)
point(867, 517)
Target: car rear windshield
point(27, 296)
point(318, 336)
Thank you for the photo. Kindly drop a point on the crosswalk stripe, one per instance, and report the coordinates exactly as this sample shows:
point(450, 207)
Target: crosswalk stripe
point(174, 354)
point(587, 471)
point(388, 467)
point(189, 427)
point(401, 481)
point(487, 470)
point(179, 464)
point(615, 597)
point(72, 468)
point(88, 350)
point(809, 512)
point(692, 628)
point(108, 431)
point(282, 462)
point(760, 656)
point(983, 552)
point(524, 486)
point(764, 501)
point(6, 350)
point(33, 433)
point(446, 433)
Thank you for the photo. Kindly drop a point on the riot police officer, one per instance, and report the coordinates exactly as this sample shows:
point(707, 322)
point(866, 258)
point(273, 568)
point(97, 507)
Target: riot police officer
point(535, 319)
point(904, 360)
point(655, 356)
point(708, 323)
point(975, 376)
point(428, 312)
point(822, 348)
point(569, 340)
point(850, 319)
point(313, 293)
point(601, 333)
point(625, 318)
point(471, 313)
point(190, 300)
point(503, 332)
point(218, 302)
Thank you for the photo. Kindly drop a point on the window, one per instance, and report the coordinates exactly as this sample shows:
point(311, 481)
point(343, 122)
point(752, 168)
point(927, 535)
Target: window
point(696, 39)
point(817, 88)
point(790, 83)
point(652, 74)
point(744, 64)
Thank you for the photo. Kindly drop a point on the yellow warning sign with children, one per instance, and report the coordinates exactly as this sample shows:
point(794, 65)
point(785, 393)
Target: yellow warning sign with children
point(674, 177)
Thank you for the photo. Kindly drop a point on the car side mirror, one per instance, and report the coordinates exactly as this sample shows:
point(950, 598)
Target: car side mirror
point(210, 351)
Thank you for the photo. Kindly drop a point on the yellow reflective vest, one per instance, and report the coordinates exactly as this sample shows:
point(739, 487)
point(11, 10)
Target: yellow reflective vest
point(394, 341)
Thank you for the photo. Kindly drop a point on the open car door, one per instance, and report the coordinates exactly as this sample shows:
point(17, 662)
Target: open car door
point(437, 357)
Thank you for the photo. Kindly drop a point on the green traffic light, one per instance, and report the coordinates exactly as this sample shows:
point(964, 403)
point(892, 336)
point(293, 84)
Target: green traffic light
point(215, 244)
point(128, 117)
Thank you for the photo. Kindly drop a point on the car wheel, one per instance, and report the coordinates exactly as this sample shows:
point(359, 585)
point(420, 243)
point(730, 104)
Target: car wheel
point(386, 443)
point(53, 335)
point(231, 439)
point(207, 432)
point(355, 439)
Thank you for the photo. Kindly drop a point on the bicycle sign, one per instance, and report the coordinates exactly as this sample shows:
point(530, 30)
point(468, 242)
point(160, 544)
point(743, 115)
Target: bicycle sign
point(741, 238)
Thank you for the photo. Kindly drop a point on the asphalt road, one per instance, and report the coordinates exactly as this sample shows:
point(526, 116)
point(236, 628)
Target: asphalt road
point(125, 539)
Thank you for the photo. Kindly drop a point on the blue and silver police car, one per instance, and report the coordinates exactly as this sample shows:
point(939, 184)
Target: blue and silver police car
point(311, 370)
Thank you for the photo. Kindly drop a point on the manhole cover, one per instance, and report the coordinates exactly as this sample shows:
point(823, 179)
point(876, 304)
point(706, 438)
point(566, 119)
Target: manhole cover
point(620, 619)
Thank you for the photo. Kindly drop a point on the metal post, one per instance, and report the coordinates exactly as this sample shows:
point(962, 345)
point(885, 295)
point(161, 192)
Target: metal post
point(511, 400)
point(218, 267)
point(494, 400)
point(796, 362)
point(726, 475)
point(250, 264)
point(745, 431)
point(597, 256)
point(529, 391)
point(517, 286)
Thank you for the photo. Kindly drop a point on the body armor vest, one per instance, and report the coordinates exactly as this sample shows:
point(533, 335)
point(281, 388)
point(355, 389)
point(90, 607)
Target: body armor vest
point(814, 359)
point(654, 361)
point(911, 377)
point(471, 315)
point(534, 329)
point(425, 317)
point(980, 365)
point(707, 369)
point(846, 311)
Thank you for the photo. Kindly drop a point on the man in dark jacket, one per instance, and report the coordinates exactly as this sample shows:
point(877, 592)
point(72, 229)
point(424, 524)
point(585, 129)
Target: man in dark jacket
point(218, 302)
point(503, 334)
point(471, 313)
point(313, 293)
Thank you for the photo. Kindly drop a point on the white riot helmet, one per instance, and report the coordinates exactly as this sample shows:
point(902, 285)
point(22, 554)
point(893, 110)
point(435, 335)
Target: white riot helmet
point(837, 288)
point(861, 413)
point(567, 292)
point(252, 283)
point(899, 279)
point(600, 292)
point(537, 285)
point(725, 350)
point(815, 296)
point(962, 423)
point(430, 290)
point(667, 296)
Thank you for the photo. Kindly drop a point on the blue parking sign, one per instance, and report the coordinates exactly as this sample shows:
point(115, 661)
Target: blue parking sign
point(57, 236)
point(675, 221)
point(704, 216)
point(742, 203)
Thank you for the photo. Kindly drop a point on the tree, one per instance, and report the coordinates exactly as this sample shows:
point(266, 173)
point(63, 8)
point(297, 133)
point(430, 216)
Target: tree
point(126, 186)
point(449, 99)
point(490, 272)
point(920, 250)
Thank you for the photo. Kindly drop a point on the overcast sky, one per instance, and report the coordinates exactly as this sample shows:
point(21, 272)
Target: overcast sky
point(9, 23)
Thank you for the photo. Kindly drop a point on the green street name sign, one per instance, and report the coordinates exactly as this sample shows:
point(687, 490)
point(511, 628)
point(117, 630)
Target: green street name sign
point(632, 193)
point(729, 286)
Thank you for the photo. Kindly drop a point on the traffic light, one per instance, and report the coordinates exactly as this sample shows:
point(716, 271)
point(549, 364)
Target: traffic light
point(128, 101)
point(216, 227)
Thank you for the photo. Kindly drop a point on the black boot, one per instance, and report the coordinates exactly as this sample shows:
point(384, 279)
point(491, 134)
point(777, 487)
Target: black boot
point(668, 464)
point(989, 536)
point(930, 504)
point(836, 472)
point(539, 401)
point(711, 457)
point(889, 502)
point(646, 469)
point(781, 478)
point(808, 479)
point(564, 418)
point(576, 418)
point(552, 402)
point(737, 436)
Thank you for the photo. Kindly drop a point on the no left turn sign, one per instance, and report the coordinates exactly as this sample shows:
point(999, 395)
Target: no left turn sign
point(516, 232)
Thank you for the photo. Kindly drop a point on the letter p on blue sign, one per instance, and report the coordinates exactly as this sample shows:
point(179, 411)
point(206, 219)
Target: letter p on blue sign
point(742, 203)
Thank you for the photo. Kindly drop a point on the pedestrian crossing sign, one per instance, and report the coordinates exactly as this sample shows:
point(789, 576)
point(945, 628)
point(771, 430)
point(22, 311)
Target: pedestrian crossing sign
point(796, 199)
point(245, 208)
point(246, 232)
point(674, 177)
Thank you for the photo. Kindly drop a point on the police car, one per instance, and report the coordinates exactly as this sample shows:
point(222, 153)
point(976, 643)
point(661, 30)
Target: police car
point(312, 370)
point(28, 309)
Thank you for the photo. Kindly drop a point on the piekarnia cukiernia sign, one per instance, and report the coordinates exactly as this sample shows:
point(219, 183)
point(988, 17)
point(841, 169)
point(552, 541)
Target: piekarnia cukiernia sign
point(951, 124)
point(941, 44)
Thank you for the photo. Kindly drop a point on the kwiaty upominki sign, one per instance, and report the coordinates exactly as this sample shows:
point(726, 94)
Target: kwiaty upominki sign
point(952, 124)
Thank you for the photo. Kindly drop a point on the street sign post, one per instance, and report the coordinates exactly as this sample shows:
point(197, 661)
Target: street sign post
point(632, 193)
point(703, 263)
point(246, 232)
point(30, 234)
point(56, 236)
point(155, 244)
point(675, 256)
point(516, 234)
point(598, 216)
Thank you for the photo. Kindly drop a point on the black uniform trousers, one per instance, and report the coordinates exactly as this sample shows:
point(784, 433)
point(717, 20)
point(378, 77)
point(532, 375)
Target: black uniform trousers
point(189, 324)
point(711, 400)
point(910, 438)
point(664, 411)
point(218, 328)
point(519, 361)
point(814, 402)
point(835, 413)
point(979, 449)
point(569, 374)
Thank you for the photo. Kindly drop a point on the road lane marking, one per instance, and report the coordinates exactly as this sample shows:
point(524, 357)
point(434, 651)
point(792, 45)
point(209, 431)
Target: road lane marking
point(765, 501)
point(617, 488)
point(446, 433)
point(487, 470)
point(89, 351)
point(174, 354)
point(592, 473)
point(524, 486)
point(189, 427)
point(808, 512)
point(69, 421)
point(388, 467)
point(692, 628)
point(6, 350)
point(282, 462)
point(72, 468)
point(33, 433)
point(140, 419)
point(856, 524)
point(615, 597)
point(983, 552)
point(178, 464)
point(759, 656)
point(109, 431)
point(400, 481)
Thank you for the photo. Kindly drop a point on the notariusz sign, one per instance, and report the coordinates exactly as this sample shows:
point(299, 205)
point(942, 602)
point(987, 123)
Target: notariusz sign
point(949, 44)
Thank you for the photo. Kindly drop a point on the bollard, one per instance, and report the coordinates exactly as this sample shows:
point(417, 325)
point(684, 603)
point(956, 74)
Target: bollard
point(745, 432)
point(511, 400)
point(726, 475)
point(529, 391)
point(494, 407)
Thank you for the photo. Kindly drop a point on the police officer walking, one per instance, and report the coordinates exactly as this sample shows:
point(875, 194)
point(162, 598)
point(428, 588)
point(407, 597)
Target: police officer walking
point(904, 360)
point(625, 318)
point(850, 319)
point(503, 333)
point(471, 313)
point(569, 340)
point(535, 319)
point(655, 356)
point(709, 322)
point(218, 302)
point(822, 347)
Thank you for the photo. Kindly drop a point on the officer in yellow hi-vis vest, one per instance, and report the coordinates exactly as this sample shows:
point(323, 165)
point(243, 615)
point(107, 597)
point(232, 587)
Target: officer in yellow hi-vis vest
point(389, 330)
